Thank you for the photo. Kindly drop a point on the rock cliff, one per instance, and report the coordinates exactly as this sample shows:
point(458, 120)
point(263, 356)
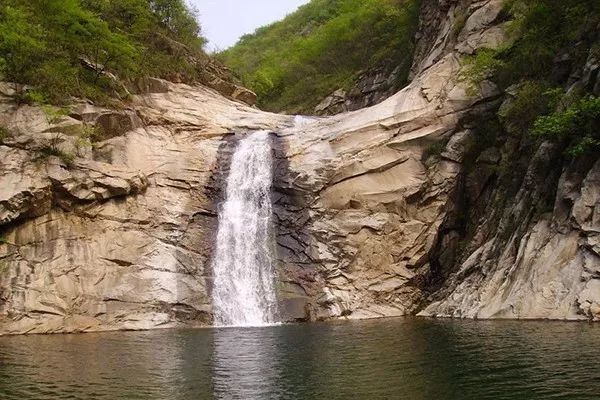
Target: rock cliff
point(369, 88)
point(108, 217)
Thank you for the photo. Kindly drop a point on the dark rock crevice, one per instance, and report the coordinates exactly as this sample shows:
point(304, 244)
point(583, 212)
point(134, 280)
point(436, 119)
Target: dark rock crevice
point(297, 270)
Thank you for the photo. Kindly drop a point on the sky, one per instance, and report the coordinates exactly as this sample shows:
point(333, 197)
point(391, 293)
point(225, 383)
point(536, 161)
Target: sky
point(224, 21)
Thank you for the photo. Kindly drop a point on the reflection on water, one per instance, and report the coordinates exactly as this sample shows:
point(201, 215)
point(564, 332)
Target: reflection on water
point(386, 359)
point(245, 361)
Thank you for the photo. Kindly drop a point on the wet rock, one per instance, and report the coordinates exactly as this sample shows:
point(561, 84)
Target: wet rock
point(123, 244)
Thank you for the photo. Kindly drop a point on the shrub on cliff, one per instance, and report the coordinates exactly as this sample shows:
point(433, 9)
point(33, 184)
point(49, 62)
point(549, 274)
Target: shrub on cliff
point(4, 134)
point(551, 39)
point(541, 29)
point(578, 125)
point(83, 48)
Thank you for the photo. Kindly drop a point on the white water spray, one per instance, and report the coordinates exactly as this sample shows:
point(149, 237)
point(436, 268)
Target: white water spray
point(244, 286)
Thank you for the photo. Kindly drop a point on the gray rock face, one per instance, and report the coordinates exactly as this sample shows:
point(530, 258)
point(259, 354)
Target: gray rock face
point(119, 233)
point(533, 269)
point(370, 87)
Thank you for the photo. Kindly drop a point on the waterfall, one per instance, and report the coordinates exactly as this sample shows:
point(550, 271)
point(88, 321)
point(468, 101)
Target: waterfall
point(244, 286)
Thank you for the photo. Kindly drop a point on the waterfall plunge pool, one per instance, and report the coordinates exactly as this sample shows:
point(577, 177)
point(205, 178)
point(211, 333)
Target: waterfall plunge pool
point(405, 358)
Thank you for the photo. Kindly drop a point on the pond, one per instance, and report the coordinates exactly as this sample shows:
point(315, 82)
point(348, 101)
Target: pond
point(376, 359)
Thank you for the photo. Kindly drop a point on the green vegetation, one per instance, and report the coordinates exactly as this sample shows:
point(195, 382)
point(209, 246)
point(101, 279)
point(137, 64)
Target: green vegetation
point(49, 150)
point(579, 125)
point(532, 99)
point(435, 149)
point(86, 137)
point(541, 30)
point(481, 66)
point(86, 48)
point(4, 134)
point(30, 96)
point(460, 20)
point(294, 63)
point(92, 133)
point(54, 114)
point(53, 149)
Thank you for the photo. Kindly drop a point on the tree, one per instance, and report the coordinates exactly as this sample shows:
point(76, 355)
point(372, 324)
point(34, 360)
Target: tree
point(22, 45)
point(84, 47)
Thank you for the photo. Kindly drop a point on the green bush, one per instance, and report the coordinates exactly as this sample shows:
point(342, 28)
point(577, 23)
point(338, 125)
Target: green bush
point(52, 148)
point(48, 151)
point(30, 96)
point(54, 114)
point(460, 20)
point(483, 65)
point(541, 30)
point(579, 125)
point(532, 99)
point(4, 134)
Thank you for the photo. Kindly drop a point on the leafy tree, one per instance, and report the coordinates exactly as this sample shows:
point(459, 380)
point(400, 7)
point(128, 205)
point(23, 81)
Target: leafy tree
point(22, 45)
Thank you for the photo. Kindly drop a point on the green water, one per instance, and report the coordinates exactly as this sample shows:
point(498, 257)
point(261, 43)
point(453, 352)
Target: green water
point(379, 359)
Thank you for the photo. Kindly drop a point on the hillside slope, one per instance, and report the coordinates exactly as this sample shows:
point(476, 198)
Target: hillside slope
point(295, 63)
point(54, 50)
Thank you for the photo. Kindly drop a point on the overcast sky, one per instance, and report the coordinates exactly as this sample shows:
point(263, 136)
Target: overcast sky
point(224, 21)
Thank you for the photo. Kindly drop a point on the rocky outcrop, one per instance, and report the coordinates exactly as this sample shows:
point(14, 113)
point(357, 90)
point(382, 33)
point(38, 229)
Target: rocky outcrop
point(377, 202)
point(444, 27)
point(108, 217)
point(218, 77)
point(528, 263)
point(528, 236)
point(370, 87)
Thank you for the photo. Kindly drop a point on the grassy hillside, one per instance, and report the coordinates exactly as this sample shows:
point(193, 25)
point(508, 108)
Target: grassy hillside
point(71, 47)
point(294, 63)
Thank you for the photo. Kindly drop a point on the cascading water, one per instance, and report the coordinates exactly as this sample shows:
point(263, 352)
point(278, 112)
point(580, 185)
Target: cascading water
point(244, 286)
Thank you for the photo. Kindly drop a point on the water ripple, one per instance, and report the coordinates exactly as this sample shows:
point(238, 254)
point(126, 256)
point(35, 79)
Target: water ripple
point(411, 359)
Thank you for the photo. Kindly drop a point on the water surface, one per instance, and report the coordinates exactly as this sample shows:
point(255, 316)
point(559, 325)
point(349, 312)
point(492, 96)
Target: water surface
point(379, 359)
